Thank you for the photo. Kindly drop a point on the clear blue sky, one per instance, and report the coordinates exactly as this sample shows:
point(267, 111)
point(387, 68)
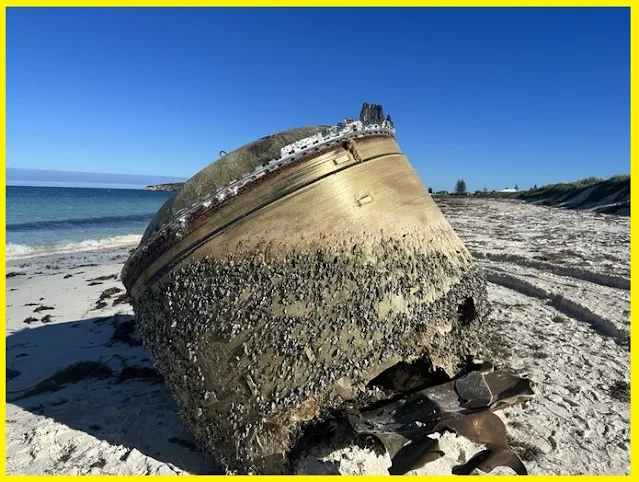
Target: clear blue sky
point(496, 96)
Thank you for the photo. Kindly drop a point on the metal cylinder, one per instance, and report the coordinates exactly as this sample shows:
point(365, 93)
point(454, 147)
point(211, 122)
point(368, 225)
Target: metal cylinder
point(268, 297)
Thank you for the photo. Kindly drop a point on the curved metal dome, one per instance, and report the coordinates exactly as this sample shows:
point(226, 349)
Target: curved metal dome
point(221, 172)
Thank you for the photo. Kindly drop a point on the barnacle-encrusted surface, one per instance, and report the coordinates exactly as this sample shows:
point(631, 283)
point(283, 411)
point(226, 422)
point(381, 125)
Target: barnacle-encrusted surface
point(253, 346)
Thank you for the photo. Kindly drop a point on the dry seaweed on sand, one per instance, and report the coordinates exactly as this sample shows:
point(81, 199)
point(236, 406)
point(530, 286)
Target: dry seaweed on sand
point(109, 292)
point(123, 298)
point(104, 278)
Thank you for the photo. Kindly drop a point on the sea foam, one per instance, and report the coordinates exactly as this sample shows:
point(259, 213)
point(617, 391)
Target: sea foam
point(21, 251)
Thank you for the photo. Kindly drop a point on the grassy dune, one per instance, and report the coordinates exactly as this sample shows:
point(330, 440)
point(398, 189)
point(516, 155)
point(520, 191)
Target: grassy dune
point(610, 196)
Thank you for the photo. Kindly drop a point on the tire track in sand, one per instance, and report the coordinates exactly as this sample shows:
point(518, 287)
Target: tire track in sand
point(600, 324)
point(611, 281)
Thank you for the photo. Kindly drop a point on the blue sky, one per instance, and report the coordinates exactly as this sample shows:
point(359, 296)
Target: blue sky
point(495, 96)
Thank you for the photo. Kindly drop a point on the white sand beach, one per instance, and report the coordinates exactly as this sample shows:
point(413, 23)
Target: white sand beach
point(560, 291)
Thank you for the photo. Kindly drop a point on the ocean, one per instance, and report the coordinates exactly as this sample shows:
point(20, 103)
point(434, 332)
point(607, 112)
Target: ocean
point(50, 220)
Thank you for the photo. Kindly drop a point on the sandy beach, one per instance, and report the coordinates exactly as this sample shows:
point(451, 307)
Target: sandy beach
point(83, 396)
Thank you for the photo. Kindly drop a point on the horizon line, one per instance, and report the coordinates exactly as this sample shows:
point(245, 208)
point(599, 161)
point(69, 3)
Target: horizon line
point(66, 171)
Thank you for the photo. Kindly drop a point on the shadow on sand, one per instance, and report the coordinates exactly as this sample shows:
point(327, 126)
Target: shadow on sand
point(94, 376)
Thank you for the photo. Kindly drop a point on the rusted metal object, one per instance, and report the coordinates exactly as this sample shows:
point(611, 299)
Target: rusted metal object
point(284, 277)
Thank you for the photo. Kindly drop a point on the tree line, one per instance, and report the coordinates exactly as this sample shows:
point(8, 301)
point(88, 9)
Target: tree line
point(460, 188)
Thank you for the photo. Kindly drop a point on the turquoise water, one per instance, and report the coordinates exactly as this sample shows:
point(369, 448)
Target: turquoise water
point(42, 220)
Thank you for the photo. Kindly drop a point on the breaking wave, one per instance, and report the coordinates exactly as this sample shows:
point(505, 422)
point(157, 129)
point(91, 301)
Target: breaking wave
point(20, 251)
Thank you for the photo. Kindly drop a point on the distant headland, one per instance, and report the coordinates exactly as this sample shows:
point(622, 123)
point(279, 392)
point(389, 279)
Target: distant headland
point(172, 186)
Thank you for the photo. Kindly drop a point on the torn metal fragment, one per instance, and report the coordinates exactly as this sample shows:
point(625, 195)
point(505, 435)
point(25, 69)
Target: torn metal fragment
point(464, 405)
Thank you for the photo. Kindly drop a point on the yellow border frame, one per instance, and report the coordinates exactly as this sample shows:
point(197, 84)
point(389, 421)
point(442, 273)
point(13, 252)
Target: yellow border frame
point(317, 3)
point(634, 19)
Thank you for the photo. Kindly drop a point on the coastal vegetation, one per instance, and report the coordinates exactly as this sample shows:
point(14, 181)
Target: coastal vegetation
point(610, 196)
point(595, 189)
